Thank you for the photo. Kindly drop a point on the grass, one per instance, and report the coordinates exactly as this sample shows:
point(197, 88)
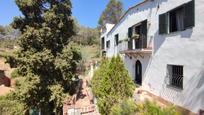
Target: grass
point(4, 52)
point(89, 52)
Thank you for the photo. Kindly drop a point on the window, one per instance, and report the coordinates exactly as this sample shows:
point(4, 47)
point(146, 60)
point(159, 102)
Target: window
point(102, 43)
point(108, 44)
point(178, 19)
point(175, 75)
point(138, 29)
point(129, 32)
point(116, 39)
point(104, 53)
point(137, 35)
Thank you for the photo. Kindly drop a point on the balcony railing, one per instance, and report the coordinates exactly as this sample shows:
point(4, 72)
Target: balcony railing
point(135, 45)
point(122, 46)
point(137, 42)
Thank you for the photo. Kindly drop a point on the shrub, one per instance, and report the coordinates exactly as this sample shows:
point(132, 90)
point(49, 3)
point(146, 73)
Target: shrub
point(125, 107)
point(7, 43)
point(151, 108)
point(128, 107)
point(14, 74)
point(111, 83)
point(9, 106)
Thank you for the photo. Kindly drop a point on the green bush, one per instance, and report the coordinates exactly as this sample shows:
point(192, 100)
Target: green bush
point(14, 74)
point(9, 106)
point(125, 107)
point(7, 43)
point(129, 107)
point(5, 54)
point(152, 108)
point(111, 83)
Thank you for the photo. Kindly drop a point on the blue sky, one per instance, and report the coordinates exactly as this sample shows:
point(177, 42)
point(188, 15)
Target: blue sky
point(87, 12)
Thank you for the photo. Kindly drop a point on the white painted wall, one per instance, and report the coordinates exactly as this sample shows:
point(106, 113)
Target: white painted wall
point(104, 33)
point(180, 48)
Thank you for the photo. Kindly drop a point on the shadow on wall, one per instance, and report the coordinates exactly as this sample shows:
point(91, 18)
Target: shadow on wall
point(160, 39)
point(194, 91)
point(191, 97)
point(147, 68)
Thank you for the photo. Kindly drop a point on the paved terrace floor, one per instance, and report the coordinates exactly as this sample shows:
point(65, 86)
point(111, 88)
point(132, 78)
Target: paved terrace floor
point(84, 103)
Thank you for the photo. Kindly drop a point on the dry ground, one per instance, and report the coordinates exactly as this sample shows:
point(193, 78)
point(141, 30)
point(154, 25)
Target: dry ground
point(6, 67)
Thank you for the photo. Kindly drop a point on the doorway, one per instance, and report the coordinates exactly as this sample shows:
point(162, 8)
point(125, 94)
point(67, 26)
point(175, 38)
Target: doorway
point(138, 73)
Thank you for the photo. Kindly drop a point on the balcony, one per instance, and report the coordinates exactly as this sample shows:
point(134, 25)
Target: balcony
point(136, 46)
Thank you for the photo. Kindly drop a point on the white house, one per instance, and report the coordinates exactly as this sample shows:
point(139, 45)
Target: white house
point(105, 44)
point(162, 45)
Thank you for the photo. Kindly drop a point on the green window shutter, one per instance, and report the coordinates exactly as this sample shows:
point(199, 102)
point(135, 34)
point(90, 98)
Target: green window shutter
point(129, 32)
point(116, 39)
point(163, 23)
point(144, 34)
point(130, 44)
point(102, 43)
point(189, 19)
point(108, 44)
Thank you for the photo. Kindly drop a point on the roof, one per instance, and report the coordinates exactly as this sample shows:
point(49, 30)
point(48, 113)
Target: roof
point(141, 3)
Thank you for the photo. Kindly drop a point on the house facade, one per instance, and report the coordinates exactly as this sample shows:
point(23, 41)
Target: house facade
point(162, 45)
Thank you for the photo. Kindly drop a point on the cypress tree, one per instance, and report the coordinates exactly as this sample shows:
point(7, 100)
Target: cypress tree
point(47, 59)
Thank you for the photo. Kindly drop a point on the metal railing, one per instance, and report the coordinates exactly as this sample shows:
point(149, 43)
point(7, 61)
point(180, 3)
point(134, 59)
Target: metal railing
point(133, 44)
point(175, 81)
point(122, 46)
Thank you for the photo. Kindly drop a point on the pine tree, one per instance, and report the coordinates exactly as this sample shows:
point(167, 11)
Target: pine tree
point(112, 13)
point(47, 59)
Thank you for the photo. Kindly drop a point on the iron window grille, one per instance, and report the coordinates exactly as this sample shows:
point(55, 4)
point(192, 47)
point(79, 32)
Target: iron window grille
point(175, 76)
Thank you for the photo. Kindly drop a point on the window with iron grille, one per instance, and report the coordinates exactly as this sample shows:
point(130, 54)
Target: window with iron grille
point(175, 75)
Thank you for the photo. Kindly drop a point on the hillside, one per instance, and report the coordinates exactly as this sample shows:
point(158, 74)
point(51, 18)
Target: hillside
point(90, 52)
